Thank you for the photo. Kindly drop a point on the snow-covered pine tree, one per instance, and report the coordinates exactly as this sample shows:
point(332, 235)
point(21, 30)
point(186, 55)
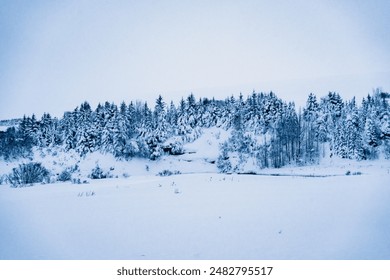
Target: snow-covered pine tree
point(85, 132)
point(110, 128)
point(223, 162)
point(121, 132)
point(171, 117)
point(310, 141)
point(187, 120)
point(68, 126)
point(353, 132)
point(371, 138)
point(159, 131)
point(144, 129)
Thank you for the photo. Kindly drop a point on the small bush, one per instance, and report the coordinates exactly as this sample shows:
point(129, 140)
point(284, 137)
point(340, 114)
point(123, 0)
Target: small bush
point(167, 172)
point(97, 173)
point(27, 174)
point(79, 181)
point(65, 175)
point(177, 148)
point(76, 180)
point(353, 173)
point(223, 164)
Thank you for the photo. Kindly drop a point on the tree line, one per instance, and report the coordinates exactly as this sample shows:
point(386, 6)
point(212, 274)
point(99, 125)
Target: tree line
point(264, 130)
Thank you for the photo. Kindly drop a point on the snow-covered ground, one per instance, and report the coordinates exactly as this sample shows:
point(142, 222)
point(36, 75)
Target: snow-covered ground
point(296, 212)
point(199, 216)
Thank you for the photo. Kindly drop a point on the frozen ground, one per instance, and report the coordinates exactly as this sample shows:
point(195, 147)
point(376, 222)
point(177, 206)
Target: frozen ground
point(199, 216)
point(312, 212)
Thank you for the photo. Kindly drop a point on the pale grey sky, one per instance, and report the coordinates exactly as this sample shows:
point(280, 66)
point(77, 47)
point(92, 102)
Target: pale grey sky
point(56, 54)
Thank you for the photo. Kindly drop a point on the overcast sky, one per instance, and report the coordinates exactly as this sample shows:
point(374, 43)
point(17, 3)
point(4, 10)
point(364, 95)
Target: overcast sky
point(56, 54)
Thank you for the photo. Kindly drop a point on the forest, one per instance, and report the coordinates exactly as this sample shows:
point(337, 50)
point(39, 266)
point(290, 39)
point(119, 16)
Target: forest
point(263, 129)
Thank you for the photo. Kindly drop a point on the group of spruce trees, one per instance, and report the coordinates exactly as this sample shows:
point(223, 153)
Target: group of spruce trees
point(263, 128)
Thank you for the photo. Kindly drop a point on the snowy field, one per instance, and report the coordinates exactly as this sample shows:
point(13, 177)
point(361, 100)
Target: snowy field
point(202, 216)
point(295, 212)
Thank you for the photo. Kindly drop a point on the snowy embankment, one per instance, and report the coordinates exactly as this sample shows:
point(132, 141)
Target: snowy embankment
point(199, 216)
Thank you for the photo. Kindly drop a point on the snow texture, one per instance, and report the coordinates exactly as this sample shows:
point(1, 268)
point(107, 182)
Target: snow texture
point(312, 212)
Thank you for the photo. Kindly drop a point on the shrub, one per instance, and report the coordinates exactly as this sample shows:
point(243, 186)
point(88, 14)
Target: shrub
point(64, 176)
point(177, 148)
point(79, 180)
point(167, 172)
point(223, 163)
point(97, 173)
point(173, 146)
point(353, 173)
point(27, 174)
